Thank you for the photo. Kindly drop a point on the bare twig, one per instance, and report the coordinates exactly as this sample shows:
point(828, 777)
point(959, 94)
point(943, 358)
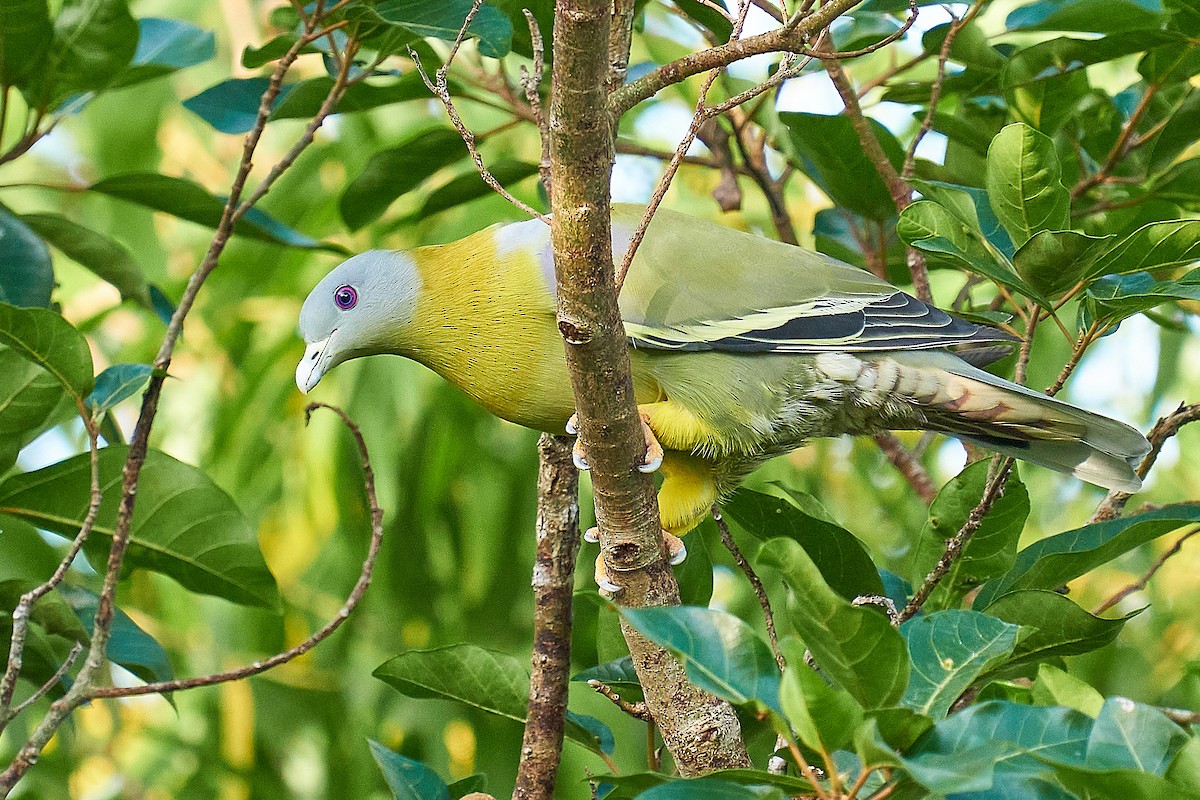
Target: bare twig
point(908, 465)
point(1125, 141)
point(553, 574)
point(1163, 429)
point(1141, 582)
point(761, 593)
point(46, 687)
point(954, 547)
point(1181, 716)
point(531, 85)
point(352, 600)
point(637, 710)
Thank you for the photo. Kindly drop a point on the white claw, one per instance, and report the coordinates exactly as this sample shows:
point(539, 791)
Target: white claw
point(609, 587)
point(651, 466)
point(592, 535)
point(580, 462)
point(679, 556)
point(573, 424)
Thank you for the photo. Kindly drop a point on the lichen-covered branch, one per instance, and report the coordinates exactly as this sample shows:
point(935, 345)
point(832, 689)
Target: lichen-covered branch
point(553, 574)
point(701, 731)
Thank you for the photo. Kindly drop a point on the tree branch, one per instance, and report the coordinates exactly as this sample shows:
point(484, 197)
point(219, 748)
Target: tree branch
point(1141, 582)
point(553, 573)
point(701, 731)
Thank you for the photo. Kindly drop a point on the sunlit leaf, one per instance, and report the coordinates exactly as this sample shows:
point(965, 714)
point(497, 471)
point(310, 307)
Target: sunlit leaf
point(48, 340)
point(183, 525)
point(1024, 184)
point(949, 650)
point(823, 716)
point(31, 401)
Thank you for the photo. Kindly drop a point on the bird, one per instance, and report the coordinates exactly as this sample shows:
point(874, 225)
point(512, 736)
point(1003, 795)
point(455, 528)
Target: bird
point(741, 348)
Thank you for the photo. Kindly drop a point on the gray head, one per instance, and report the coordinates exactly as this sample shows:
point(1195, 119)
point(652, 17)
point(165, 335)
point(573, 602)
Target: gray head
point(355, 311)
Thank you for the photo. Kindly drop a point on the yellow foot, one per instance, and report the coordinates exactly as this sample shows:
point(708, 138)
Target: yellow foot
point(676, 553)
point(654, 451)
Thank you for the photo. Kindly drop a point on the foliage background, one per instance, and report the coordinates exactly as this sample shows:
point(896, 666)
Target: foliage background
point(457, 484)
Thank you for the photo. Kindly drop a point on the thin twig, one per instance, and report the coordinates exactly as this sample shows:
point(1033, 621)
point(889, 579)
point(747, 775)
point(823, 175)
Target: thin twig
point(1121, 147)
point(954, 547)
point(908, 465)
point(1163, 429)
point(1141, 582)
point(761, 593)
point(637, 710)
point(46, 687)
point(1181, 716)
point(531, 84)
point(352, 600)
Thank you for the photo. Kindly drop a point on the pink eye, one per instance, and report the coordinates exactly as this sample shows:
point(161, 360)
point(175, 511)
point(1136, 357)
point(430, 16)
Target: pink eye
point(345, 297)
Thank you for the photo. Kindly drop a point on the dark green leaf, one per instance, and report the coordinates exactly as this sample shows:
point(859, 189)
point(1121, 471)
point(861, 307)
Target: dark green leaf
point(709, 789)
point(707, 17)
point(231, 106)
point(408, 779)
point(184, 526)
point(823, 716)
point(1177, 134)
point(393, 172)
point(117, 383)
point(24, 554)
point(94, 40)
point(969, 206)
point(51, 612)
point(488, 680)
point(25, 34)
point(1056, 560)
point(614, 673)
point(841, 558)
point(1171, 243)
point(31, 401)
point(305, 97)
point(1024, 183)
point(1125, 784)
point(1054, 261)
point(48, 340)
point(1097, 16)
point(1128, 735)
point(396, 23)
point(26, 274)
point(165, 46)
point(991, 550)
point(1058, 626)
point(470, 185)
point(855, 646)
point(831, 156)
point(468, 785)
point(722, 654)
point(128, 645)
point(108, 259)
point(1172, 62)
point(862, 29)
point(949, 650)
point(1114, 297)
point(967, 770)
point(186, 200)
point(255, 57)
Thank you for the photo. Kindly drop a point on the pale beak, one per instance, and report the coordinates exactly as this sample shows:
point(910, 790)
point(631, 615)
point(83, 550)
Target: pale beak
point(312, 366)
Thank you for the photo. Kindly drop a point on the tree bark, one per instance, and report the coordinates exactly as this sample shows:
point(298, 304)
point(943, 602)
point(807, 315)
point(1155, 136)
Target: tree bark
point(702, 732)
point(553, 584)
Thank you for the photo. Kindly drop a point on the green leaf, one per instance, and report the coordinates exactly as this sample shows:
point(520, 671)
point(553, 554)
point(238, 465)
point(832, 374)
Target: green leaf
point(1114, 297)
point(709, 788)
point(393, 172)
point(840, 557)
point(1128, 735)
point(1170, 63)
point(1058, 559)
point(255, 57)
point(1054, 261)
point(855, 646)
point(231, 106)
point(24, 554)
point(1054, 687)
point(31, 402)
point(184, 526)
point(470, 186)
point(1057, 625)
point(108, 259)
point(25, 35)
point(51, 612)
point(949, 650)
point(401, 22)
point(1024, 183)
point(184, 199)
point(619, 672)
point(830, 154)
point(306, 97)
point(468, 785)
point(968, 770)
point(723, 655)
point(1119, 783)
point(708, 18)
point(992, 549)
point(824, 717)
point(408, 779)
point(969, 206)
point(1171, 243)
point(165, 46)
point(117, 383)
point(26, 274)
point(128, 645)
point(94, 40)
point(485, 679)
point(1096, 16)
point(48, 340)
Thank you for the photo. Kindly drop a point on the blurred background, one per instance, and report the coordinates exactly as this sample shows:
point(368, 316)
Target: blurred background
point(457, 485)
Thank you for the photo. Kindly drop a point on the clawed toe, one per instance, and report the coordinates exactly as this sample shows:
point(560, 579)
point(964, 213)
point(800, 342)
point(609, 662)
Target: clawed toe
point(592, 535)
point(676, 551)
point(603, 582)
point(581, 463)
point(654, 450)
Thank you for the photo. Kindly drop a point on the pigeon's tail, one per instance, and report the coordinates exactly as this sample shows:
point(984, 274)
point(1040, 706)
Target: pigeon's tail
point(1000, 415)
